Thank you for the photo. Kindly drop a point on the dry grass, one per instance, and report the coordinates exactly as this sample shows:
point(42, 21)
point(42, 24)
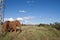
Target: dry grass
point(33, 33)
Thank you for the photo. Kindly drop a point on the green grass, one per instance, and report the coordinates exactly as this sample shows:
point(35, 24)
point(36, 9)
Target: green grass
point(33, 33)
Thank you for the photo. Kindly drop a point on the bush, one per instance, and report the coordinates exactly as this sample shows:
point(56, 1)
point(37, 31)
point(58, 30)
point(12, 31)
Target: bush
point(43, 25)
point(56, 25)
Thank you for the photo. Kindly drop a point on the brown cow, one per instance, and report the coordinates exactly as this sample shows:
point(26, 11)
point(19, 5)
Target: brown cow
point(11, 25)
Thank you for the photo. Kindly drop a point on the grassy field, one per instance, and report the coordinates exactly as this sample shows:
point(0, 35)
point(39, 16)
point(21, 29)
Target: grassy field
point(33, 33)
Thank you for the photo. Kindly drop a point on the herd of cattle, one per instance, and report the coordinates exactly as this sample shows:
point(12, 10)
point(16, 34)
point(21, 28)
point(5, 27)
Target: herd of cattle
point(10, 26)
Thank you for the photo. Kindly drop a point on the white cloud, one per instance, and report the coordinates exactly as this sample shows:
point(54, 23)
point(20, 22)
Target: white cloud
point(26, 20)
point(19, 18)
point(22, 11)
point(11, 19)
point(29, 17)
point(8, 19)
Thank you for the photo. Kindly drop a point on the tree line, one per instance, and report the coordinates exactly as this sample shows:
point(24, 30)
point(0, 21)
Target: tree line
point(55, 25)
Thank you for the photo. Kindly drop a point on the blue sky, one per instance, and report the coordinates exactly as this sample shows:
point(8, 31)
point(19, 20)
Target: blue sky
point(33, 11)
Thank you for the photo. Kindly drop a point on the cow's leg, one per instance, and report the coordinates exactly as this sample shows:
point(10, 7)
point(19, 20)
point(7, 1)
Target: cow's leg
point(4, 27)
point(19, 28)
point(14, 27)
point(11, 30)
